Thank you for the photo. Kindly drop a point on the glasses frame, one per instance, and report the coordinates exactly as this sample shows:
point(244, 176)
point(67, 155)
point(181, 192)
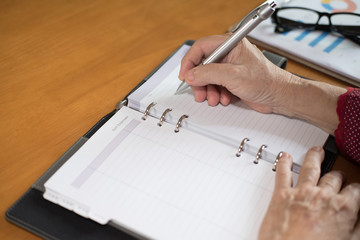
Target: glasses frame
point(281, 28)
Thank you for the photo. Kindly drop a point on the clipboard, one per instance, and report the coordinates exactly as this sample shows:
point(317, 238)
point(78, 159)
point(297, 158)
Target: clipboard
point(50, 221)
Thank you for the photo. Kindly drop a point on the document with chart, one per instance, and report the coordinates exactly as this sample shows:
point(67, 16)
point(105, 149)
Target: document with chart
point(326, 51)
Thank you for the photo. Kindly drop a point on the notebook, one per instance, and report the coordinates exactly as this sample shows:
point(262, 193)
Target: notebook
point(162, 166)
point(166, 167)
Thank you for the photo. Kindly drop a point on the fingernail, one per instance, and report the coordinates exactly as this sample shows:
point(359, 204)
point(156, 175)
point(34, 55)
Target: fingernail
point(180, 77)
point(285, 155)
point(316, 148)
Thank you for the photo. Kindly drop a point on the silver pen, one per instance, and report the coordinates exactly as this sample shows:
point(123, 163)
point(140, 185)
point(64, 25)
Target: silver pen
point(247, 24)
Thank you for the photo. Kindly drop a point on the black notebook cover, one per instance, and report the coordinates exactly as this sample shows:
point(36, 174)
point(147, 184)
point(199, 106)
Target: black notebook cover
point(50, 221)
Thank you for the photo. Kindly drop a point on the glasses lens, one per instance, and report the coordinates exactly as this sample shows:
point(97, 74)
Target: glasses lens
point(346, 23)
point(297, 18)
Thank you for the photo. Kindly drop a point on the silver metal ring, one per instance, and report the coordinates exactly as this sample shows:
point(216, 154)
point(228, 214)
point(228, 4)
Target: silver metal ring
point(258, 155)
point(162, 118)
point(277, 160)
point(241, 147)
point(179, 122)
point(146, 113)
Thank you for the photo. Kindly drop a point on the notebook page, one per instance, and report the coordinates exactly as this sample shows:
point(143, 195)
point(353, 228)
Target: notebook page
point(229, 124)
point(161, 185)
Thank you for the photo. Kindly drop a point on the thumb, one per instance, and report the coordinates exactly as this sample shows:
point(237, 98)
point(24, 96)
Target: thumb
point(213, 73)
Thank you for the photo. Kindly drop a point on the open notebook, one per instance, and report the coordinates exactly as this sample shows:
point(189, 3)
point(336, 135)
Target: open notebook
point(185, 178)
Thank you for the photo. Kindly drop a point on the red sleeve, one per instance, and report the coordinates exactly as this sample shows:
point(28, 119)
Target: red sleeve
point(347, 135)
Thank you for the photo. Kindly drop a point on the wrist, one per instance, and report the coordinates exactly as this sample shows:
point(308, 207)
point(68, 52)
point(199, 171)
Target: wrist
point(309, 100)
point(286, 83)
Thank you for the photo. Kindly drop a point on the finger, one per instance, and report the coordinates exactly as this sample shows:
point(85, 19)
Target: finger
point(213, 95)
point(352, 194)
point(225, 96)
point(332, 180)
point(200, 93)
point(199, 50)
point(310, 170)
point(213, 73)
point(283, 178)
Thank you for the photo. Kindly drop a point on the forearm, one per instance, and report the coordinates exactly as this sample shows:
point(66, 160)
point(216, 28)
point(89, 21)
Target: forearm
point(313, 101)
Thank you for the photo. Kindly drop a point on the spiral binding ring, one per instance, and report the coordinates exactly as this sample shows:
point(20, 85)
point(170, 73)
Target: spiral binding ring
point(179, 122)
point(258, 155)
point(241, 147)
point(146, 113)
point(277, 160)
point(162, 118)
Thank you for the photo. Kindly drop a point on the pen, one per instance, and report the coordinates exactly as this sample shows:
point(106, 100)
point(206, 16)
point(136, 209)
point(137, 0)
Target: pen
point(247, 24)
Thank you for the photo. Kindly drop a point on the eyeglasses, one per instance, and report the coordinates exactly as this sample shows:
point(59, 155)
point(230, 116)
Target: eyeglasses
point(344, 23)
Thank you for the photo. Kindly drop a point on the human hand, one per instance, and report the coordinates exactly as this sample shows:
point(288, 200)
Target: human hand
point(313, 209)
point(244, 72)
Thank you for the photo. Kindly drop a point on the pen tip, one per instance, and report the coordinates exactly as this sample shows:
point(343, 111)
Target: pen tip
point(181, 88)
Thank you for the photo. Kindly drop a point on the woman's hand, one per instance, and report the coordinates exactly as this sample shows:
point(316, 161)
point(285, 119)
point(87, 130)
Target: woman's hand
point(313, 209)
point(244, 72)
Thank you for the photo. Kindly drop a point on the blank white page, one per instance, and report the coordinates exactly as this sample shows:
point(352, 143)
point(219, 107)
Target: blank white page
point(229, 124)
point(162, 184)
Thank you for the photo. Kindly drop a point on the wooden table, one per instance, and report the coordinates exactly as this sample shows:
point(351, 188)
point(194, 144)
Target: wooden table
point(65, 64)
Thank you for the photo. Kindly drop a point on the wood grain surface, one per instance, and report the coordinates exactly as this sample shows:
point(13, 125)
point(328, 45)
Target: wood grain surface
point(64, 64)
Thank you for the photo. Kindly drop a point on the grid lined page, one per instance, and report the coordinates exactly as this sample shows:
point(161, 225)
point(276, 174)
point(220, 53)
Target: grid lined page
point(230, 123)
point(162, 184)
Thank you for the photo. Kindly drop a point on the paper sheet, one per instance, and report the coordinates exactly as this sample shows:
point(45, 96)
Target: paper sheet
point(327, 50)
point(150, 180)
